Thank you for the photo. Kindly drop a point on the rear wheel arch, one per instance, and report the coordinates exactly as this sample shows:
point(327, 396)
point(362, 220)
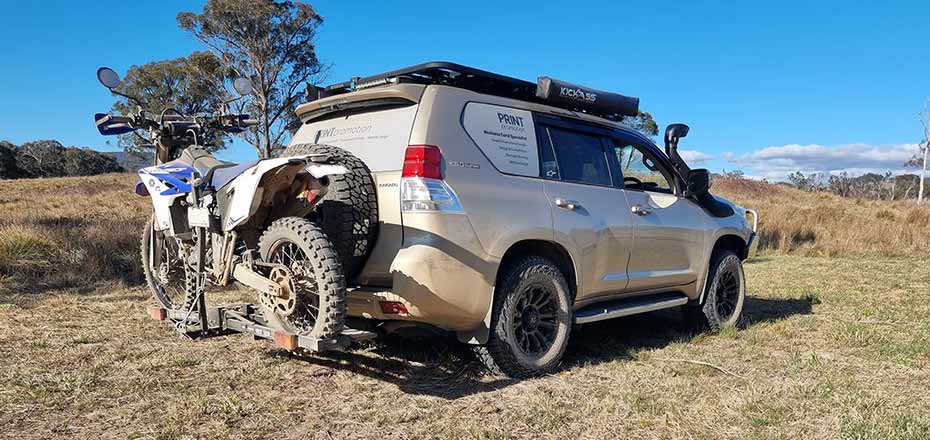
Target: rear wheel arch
point(531, 317)
point(548, 249)
point(515, 253)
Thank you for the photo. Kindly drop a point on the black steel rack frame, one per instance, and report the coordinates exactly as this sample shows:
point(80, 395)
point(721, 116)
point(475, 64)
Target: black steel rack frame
point(245, 318)
point(608, 105)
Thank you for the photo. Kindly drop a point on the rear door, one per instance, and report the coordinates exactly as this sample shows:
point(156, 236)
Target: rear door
point(668, 230)
point(590, 213)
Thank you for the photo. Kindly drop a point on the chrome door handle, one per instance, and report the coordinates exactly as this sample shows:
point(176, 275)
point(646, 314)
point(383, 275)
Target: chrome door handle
point(567, 204)
point(639, 210)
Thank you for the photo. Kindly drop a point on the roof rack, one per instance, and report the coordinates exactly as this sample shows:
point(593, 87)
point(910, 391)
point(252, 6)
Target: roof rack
point(547, 91)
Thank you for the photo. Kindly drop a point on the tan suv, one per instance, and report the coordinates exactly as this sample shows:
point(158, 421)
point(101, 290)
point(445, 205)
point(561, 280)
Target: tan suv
point(506, 211)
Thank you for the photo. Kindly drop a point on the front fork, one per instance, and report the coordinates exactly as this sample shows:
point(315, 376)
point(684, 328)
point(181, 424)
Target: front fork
point(200, 250)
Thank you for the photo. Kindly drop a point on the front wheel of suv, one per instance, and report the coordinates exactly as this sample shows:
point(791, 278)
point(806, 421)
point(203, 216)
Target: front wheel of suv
point(531, 320)
point(724, 294)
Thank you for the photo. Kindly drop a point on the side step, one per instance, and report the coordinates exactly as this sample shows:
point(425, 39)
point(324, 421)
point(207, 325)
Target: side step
point(244, 318)
point(628, 306)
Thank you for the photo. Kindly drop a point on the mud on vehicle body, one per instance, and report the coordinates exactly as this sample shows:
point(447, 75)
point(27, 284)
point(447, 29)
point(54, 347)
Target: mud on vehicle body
point(507, 211)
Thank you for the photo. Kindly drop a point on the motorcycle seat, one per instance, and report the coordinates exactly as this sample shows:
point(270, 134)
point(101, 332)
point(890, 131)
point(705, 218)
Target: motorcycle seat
point(216, 173)
point(223, 176)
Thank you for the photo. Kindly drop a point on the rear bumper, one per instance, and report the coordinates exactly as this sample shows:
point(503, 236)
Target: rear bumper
point(436, 287)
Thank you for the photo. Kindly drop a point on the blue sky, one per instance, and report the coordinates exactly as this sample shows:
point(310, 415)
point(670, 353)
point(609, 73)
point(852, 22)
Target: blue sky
point(817, 86)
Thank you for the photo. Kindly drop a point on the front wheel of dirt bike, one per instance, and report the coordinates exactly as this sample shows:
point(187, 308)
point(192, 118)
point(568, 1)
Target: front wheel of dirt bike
point(313, 299)
point(164, 271)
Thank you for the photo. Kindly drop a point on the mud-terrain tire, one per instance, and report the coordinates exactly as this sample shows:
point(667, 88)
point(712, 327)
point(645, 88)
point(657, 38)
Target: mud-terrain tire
point(176, 296)
point(348, 213)
point(724, 295)
point(314, 263)
point(532, 307)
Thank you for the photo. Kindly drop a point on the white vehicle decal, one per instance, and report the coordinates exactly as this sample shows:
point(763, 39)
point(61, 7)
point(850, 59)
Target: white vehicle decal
point(507, 136)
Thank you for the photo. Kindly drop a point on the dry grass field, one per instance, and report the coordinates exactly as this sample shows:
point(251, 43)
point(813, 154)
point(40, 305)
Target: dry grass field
point(824, 224)
point(836, 345)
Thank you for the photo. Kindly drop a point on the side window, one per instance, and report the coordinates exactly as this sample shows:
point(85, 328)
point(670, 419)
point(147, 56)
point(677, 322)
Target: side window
point(640, 172)
point(549, 168)
point(580, 157)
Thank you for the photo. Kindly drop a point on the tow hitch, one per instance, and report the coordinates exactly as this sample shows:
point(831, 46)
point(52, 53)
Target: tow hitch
point(245, 318)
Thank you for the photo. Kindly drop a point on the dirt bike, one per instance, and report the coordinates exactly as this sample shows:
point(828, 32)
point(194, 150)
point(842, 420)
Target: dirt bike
point(217, 222)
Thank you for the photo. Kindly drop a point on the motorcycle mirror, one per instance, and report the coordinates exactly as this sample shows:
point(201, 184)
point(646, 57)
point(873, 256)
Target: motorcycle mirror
point(108, 77)
point(242, 86)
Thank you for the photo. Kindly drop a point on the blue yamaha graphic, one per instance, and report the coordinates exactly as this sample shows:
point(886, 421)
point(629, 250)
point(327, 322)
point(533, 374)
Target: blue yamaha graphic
point(175, 177)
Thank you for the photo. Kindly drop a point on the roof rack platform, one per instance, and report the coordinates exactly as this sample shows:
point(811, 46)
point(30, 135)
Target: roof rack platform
point(546, 91)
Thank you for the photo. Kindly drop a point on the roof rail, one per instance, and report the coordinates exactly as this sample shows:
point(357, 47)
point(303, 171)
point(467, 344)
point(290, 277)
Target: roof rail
point(547, 91)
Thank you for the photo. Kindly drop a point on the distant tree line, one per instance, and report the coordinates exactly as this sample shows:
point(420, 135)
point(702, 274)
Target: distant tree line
point(48, 158)
point(874, 186)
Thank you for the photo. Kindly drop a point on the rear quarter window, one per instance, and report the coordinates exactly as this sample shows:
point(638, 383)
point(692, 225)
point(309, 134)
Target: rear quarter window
point(506, 136)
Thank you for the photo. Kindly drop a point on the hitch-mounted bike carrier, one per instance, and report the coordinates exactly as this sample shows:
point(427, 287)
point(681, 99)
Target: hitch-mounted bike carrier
point(245, 318)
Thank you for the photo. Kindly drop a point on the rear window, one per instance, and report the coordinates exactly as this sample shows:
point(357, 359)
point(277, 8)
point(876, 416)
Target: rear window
point(378, 135)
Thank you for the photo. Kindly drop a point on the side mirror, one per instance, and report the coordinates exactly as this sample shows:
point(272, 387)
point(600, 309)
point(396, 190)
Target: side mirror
point(242, 86)
point(108, 77)
point(698, 181)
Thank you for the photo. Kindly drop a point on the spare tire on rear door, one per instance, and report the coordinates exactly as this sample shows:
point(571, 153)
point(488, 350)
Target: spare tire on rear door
point(348, 213)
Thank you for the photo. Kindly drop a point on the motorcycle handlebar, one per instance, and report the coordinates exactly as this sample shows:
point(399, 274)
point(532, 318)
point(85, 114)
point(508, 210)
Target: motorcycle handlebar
point(178, 125)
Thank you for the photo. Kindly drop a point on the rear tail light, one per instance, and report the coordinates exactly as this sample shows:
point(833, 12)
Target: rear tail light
point(422, 187)
point(393, 308)
point(422, 161)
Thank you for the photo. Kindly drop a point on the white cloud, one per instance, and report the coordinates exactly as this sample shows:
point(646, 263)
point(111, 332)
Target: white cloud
point(694, 157)
point(777, 162)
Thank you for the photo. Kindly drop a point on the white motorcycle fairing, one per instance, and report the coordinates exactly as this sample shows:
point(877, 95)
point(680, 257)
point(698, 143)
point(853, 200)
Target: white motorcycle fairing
point(164, 184)
point(167, 182)
point(245, 194)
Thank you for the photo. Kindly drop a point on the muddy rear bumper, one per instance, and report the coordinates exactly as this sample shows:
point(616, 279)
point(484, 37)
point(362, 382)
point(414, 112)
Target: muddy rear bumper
point(434, 288)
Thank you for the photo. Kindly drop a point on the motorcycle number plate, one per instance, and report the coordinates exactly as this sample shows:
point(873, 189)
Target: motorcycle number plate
point(198, 217)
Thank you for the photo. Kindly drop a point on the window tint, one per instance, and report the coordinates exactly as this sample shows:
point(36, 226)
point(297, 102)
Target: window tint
point(640, 172)
point(580, 157)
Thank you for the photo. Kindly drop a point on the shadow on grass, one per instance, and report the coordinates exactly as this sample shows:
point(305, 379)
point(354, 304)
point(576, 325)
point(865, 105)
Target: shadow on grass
point(622, 338)
point(434, 366)
point(438, 366)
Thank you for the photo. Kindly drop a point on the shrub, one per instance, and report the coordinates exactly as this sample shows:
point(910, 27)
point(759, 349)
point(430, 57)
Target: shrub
point(23, 248)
